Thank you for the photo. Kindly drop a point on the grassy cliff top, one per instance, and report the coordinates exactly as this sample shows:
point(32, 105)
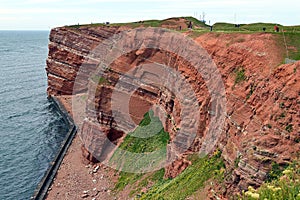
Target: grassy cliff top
point(291, 34)
point(172, 23)
point(175, 22)
point(254, 27)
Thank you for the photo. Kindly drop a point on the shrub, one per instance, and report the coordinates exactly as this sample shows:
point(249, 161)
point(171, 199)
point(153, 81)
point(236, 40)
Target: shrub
point(286, 186)
point(239, 75)
point(289, 128)
point(281, 105)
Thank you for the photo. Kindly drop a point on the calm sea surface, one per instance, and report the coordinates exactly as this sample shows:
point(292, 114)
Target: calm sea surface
point(30, 128)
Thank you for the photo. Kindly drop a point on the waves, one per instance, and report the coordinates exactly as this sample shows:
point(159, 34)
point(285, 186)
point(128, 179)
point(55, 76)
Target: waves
point(30, 129)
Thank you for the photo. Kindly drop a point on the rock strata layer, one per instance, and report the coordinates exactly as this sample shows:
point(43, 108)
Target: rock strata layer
point(262, 106)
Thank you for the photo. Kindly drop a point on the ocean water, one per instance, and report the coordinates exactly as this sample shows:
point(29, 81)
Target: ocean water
point(31, 130)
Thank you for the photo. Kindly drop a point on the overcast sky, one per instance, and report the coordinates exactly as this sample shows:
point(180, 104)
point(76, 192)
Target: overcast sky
point(46, 14)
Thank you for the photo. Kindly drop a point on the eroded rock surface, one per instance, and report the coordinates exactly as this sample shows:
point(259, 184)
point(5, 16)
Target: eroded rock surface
point(262, 109)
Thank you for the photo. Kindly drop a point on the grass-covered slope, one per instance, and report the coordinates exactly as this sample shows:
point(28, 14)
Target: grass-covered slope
point(191, 180)
point(148, 137)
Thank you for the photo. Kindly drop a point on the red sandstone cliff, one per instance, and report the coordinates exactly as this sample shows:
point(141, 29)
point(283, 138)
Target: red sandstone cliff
point(262, 110)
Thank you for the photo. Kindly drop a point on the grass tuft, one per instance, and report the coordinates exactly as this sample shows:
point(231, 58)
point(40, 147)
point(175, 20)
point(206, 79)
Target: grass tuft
point(239, 75)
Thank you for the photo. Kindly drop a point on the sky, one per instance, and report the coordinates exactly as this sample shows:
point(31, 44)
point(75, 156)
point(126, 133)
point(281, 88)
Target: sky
point(47, 14)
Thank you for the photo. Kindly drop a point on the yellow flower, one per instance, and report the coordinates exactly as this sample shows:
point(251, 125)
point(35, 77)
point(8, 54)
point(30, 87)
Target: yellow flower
point(270, 187)
point(274, 189)
point(255, 196)
point(252, 194)
point(251, 189)
point(277, 189)
point(287, 171)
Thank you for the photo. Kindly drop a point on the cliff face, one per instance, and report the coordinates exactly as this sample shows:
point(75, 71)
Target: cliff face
point(262, 97)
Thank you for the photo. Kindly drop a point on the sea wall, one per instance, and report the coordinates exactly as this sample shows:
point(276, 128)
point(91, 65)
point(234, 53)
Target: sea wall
point(44, 185)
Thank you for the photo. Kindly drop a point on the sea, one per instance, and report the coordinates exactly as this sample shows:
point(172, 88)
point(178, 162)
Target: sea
point(31, 129)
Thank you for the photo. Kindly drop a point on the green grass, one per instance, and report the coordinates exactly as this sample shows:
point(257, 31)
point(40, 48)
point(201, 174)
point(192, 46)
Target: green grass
point(147, 23)
point(146, 120)
point(259, 26)
point(76, 26)
point(196, 33)
point(286, 186)
point(252, 89)
point(275, 172)
point(292, 29)
point(137, 181)
point(159, 23)
point(225, 27)
point(254, 27)
point(125, 179)
point(196, 22)
point(237, 161)
point(222, 26)
point(289, 128)
point(134, 151)
point(293, 41)
point(239, 75)
point(149, 136)
point(99, 79)
point(189, 181)
point(292, 33)
point(282, 115)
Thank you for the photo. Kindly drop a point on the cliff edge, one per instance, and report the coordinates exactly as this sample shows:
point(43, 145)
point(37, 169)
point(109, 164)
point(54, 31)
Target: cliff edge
point(262, 95)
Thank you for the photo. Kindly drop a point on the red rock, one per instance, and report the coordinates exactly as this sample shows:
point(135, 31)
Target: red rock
point(255, 130)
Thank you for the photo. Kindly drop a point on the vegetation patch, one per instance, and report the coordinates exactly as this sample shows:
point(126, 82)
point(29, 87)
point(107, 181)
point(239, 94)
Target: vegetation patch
point(196, 33)
point(190, 180)
point(289, 128)
point(275, 172)
point(99, 79)
point(286, 186)
point(196, 22)
point(148, 137)
point(237, 161)
point(252, 89)
point(293, 43)
point(186, 184)
point(281, 116)
point(239, 75)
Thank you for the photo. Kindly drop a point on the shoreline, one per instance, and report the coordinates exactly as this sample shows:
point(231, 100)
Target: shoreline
point(46, 182)
point(77, 178)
